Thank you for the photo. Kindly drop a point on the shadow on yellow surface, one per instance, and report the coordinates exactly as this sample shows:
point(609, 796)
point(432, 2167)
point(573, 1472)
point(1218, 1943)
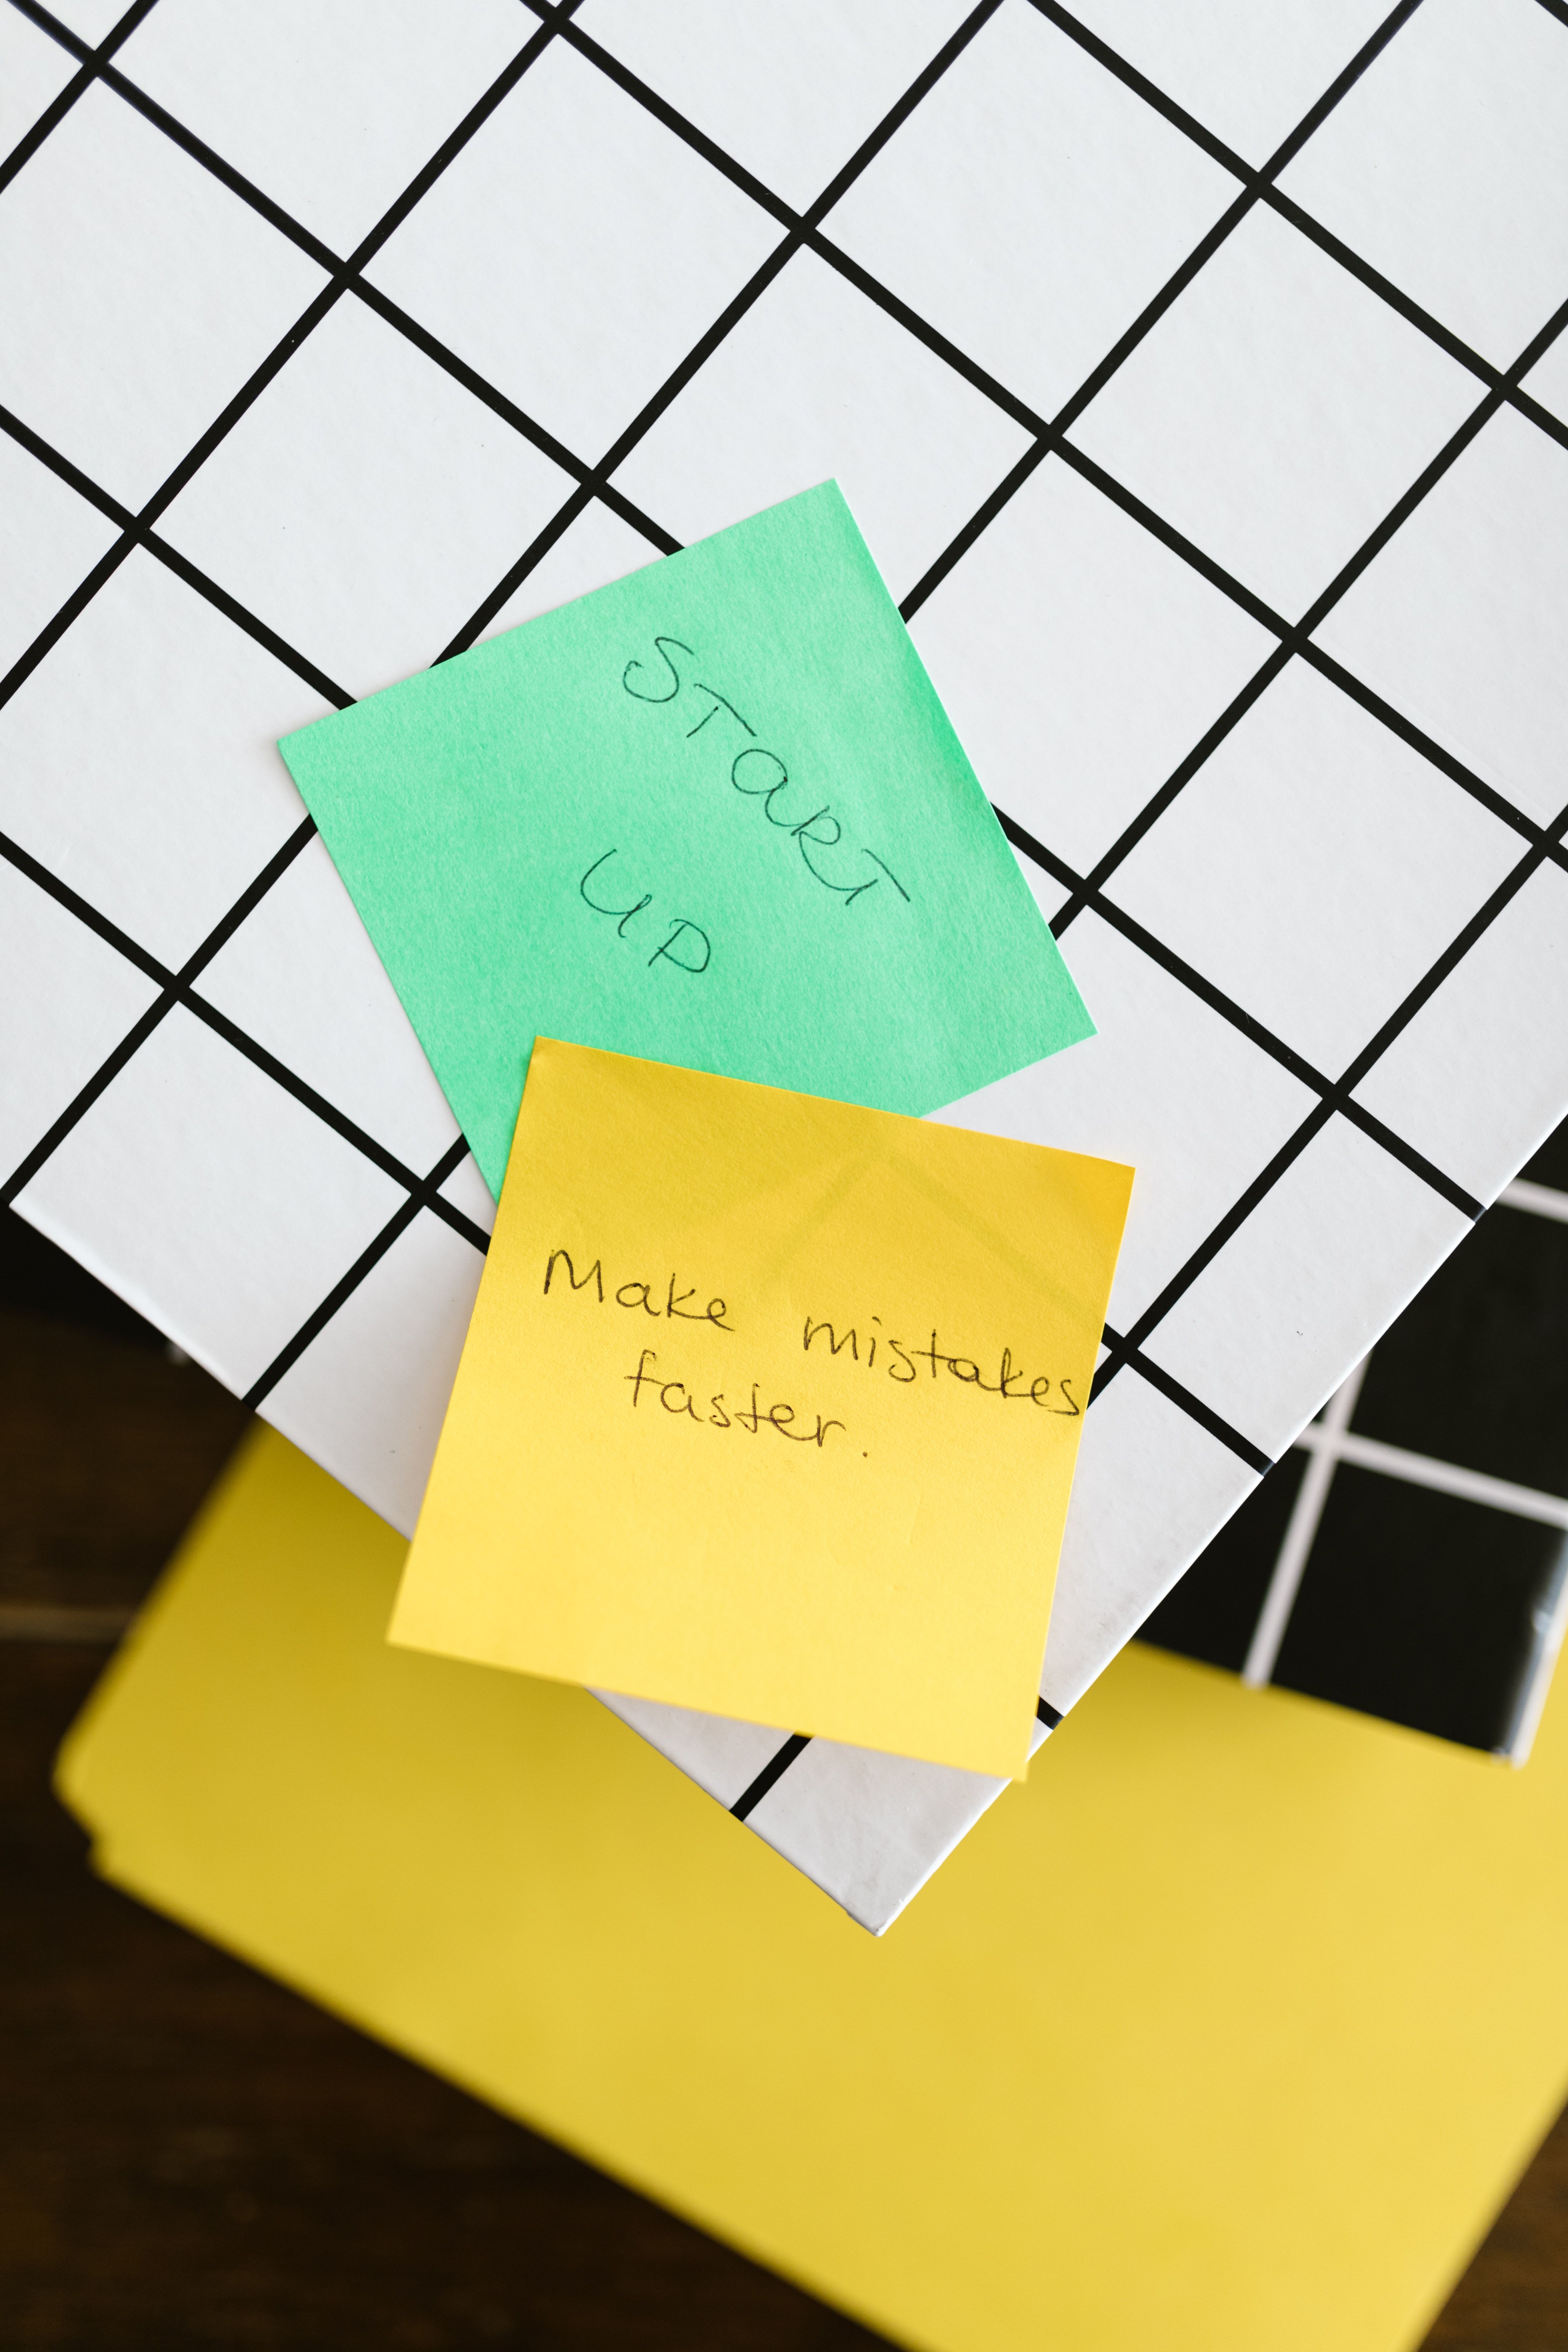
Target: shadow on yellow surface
point(1232, 2028)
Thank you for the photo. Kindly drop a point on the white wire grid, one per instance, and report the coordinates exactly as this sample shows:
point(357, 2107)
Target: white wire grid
point(1195, 378)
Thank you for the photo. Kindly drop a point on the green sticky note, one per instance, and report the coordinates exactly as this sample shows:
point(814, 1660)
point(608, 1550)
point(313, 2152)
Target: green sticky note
point(712, 815)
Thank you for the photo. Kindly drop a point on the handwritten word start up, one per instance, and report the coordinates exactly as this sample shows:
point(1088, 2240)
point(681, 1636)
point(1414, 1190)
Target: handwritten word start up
point(901, 1363)
point(761, 776)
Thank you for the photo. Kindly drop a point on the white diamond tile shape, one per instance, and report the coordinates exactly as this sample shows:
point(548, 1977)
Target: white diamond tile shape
point(1080, 661)
point(790, 91)
point(49, 541)
point(465, 1189)
point(90, 20)
point(1462, 620)
point(330, 111)
point(219, 1207)
point(1253, 1333)
point(722, 1755)
point(370, 1392)
point(1030, 207)
point(1314, 868)
point(366, 504)
point(138, 763)
point(1168, 1087)
point(1150, 1489)
point(1447, 168)
point(161, 291)
point(32, 72)
point(1250, 75)
point(871, 1828)
point(815, 382)
point(1479, 1077)
point(301, 977)
point(82, 998)
point(1548, 379)
point(594, 549)
point(522, 259)
point(1277, 413)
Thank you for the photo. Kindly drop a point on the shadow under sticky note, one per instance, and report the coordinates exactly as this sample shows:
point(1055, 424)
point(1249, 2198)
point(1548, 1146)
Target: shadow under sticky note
point(770, 1407)
point(712, 813)
point(1305, 2030)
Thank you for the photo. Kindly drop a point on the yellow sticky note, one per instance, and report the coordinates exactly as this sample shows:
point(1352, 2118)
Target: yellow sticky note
point(1228, 2032)
point(769, 1407)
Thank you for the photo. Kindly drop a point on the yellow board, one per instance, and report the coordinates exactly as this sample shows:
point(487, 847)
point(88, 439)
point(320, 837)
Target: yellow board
point(1228, 2032)
point(769, 1406)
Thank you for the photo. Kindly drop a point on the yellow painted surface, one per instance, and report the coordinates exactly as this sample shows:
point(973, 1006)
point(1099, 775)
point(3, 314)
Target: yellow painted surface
point(695, 1451)
point(1228, 2033)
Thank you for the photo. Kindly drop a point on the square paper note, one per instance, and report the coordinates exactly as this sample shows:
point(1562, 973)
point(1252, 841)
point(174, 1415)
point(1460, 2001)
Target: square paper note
point(713, 814)
point(769, 1407)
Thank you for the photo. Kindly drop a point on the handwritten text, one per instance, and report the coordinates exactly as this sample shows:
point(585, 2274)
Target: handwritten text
point(901, 1363)
point(777, 1417)
point(686, 941)
point(762, 776)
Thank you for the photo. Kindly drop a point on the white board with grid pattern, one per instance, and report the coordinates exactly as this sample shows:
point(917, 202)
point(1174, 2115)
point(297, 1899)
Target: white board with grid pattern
point(1195, 376)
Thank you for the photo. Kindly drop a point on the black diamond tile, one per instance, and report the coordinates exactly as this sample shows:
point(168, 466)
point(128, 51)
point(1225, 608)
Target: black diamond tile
point(1476, 1370)
point(1421, 1608)
point(1210, 1614)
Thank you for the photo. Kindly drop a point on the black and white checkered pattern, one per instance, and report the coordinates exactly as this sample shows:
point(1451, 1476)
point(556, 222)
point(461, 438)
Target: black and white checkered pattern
point(1195, 378)
point(1409, 1556)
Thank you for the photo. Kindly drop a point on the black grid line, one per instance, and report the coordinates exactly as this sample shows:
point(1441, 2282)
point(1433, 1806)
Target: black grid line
point(1331, 1090)
point(1294, 639)
point(1259, 183)
point(92, 63)
point(136, 532)
point(169, 983)
point(803, 226)
point(775, 1768)
point(1500, 388)
point(1318, 1118)
point(1204, 1415)
point(1457, 770)
point(82, 1101)
point(1257, 188)
point(532, 555)
point(1177, 1393)
point(425, 1194)
point(135, 529)
point(592, 487)
point(592, 481)
point(277, 217)
point(869, 148)
point(177, 988)
point(794, 1747)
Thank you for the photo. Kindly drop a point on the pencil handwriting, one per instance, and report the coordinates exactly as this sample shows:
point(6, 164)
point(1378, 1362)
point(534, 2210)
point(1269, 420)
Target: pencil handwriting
point(826, 852)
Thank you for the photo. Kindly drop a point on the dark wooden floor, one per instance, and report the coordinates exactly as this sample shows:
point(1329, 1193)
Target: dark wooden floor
point(189, 2154)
